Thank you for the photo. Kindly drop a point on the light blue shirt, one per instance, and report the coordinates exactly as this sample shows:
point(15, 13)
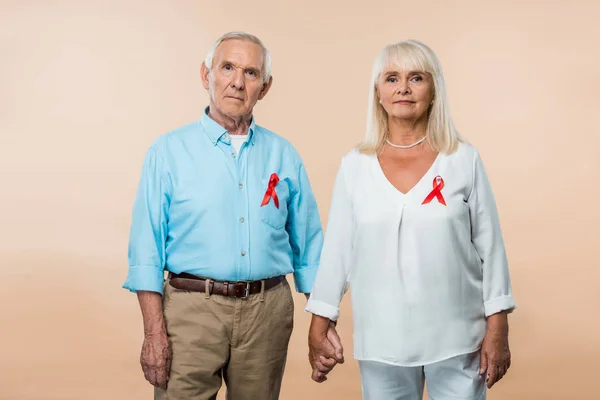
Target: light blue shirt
point(198, 210)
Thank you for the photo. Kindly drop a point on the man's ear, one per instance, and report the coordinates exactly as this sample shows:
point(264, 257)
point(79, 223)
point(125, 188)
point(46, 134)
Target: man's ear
point(265, 88)
point(204, 72)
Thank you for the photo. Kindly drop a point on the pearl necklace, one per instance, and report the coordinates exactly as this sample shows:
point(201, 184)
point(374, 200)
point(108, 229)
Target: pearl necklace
point(405, 147)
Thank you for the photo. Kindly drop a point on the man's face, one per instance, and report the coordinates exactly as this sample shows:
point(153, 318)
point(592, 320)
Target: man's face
point(235, 82)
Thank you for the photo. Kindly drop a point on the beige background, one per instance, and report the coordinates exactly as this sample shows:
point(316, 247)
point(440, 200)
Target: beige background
point(85, 86)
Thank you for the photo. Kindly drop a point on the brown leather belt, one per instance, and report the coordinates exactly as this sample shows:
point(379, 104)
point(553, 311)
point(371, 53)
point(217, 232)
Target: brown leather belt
point(240, 290)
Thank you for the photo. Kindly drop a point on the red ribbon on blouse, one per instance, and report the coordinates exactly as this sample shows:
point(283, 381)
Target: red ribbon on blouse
point(438, 185)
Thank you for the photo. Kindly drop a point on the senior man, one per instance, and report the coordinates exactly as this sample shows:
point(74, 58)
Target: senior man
point(226, 207)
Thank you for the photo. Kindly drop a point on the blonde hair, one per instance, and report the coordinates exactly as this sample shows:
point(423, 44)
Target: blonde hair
point(266, 65)
point(410, 55)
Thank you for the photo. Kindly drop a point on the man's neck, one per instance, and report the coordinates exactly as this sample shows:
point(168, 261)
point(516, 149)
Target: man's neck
point(238, 125)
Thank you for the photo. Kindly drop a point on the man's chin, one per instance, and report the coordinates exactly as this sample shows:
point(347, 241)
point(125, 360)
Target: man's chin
point(233, 111)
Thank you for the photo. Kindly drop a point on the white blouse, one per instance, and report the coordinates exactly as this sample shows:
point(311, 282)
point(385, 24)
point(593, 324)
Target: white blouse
point(424, 275)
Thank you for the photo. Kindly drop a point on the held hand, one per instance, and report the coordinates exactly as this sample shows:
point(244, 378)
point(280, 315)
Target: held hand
point(495, 353)
point(323, 353)
point(156, 358)
point(336, 342)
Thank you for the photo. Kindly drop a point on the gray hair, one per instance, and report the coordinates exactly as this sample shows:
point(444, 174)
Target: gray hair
point(266, 66)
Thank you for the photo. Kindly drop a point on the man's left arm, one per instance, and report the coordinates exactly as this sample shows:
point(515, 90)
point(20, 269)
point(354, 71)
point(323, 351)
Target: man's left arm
point(306, 233)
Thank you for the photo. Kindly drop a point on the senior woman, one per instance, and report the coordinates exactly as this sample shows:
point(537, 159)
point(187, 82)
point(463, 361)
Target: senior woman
point(414, 231)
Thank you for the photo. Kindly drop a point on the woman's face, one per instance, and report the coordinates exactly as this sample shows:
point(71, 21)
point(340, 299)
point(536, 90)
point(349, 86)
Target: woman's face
point(405, 95)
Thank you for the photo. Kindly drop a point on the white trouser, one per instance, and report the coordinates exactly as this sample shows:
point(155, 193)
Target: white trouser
point(452, 379)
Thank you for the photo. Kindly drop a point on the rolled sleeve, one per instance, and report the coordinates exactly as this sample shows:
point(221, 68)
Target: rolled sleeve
point(305, 232)
point(499, 304)
point(304, 278)
point(147, 238)
point(144, 277)
point(322, 309)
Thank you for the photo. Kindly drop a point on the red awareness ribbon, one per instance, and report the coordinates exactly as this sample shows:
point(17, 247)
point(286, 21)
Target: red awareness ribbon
point(438, 185)
point(273, 181)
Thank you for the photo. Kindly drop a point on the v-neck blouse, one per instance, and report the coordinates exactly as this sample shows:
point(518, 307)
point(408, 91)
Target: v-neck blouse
point(425, 268)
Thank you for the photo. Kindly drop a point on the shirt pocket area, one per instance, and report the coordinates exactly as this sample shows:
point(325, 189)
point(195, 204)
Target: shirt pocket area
point(269, 213)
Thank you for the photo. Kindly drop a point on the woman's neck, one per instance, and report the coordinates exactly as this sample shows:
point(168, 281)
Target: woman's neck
point(405, 132)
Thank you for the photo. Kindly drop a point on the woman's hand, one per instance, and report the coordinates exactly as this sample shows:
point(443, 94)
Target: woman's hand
point(495, 352)
point(325, 348)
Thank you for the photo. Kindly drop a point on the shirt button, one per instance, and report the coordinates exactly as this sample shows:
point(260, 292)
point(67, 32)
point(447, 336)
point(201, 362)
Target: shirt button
point(242, 219)
point(243, 253)
point(241, 186)
point(233, 155)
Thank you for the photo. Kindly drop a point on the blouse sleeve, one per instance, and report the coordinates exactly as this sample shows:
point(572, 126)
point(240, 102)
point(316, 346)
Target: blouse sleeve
point(489, 243)
point(331, 282)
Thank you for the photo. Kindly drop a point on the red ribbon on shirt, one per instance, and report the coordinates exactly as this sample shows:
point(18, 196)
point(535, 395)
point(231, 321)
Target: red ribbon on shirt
point(273, 181)
point(438, 185)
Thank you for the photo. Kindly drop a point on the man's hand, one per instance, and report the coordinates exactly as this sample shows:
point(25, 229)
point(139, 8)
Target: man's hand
point(495, 352)
point(156, 358)
point(325, 348)
point(156, 352)
point(336, 342)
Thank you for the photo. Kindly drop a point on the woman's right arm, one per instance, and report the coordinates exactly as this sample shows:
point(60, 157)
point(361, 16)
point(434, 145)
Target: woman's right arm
point(331, 282)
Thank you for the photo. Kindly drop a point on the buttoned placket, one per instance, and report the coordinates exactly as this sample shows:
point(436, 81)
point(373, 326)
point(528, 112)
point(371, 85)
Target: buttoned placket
point(238, 167)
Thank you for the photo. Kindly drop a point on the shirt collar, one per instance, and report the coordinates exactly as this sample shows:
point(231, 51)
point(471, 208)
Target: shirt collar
point(216, 132)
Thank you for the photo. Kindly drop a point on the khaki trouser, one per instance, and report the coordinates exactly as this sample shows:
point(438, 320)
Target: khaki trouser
point(215, 338)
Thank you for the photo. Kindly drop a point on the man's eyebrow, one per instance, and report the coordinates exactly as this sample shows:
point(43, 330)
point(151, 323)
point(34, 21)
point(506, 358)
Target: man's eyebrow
point(225, 62)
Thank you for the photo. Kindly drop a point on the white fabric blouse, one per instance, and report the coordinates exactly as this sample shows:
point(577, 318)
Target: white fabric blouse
point(424, 277)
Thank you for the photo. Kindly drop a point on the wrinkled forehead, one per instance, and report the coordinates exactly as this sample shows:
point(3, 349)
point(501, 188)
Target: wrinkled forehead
point(243, 52)
point(402, 59)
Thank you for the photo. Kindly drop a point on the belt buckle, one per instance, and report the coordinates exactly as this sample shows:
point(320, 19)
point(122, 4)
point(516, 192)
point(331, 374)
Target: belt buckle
point(246, 290)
